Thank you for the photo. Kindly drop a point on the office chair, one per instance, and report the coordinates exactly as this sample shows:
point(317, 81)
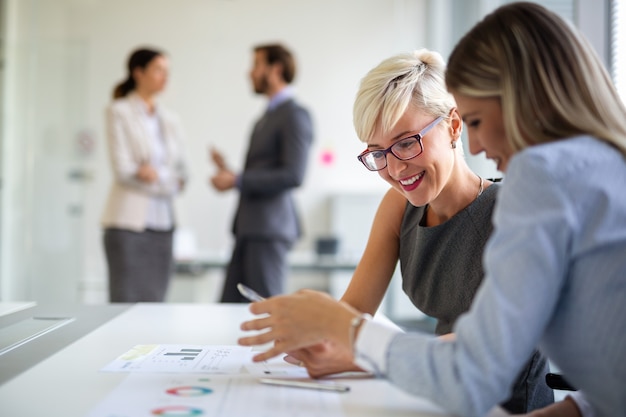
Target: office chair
point(556, 381)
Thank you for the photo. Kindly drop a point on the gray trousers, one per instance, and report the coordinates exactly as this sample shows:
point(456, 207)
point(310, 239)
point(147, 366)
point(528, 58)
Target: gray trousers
point(140, 264)
point(261, 264)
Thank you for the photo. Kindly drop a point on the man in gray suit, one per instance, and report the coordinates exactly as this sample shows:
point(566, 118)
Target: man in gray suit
point(266, 223)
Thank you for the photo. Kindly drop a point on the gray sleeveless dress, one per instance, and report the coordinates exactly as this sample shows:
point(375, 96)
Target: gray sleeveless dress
point(441, 272)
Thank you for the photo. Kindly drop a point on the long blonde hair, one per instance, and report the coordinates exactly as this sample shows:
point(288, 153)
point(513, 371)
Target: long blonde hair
point(551, 83)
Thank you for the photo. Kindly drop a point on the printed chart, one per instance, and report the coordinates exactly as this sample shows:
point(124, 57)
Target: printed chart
point(185, 395)
point(181, 358)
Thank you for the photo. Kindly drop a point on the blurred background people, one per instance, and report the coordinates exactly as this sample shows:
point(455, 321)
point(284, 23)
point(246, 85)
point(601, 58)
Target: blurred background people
point(266, 223)
point(149, 170)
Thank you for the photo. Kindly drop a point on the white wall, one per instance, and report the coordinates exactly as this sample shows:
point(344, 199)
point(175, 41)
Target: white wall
point(209, 42)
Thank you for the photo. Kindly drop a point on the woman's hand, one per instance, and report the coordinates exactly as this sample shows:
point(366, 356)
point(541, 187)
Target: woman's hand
point(323, 359)
point(146, 173)
point(298, 321)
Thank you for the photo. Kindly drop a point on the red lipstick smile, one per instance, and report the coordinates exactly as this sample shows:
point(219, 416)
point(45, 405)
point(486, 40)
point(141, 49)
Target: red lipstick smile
point(411, 183)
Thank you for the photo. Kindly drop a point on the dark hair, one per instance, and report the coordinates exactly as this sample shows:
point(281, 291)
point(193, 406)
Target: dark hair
point(276, 53)
point(140, 58)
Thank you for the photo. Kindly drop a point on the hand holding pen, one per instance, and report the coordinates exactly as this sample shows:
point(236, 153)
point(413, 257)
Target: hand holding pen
point(252, 295)
point(300, 320)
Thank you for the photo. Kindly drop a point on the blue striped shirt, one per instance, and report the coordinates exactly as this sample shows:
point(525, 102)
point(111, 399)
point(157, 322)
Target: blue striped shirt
point(555, 279)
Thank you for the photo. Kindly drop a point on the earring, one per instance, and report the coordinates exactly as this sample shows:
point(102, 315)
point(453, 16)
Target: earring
point(454, 144)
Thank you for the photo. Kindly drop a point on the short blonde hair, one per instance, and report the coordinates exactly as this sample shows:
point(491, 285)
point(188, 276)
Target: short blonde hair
point(405, 79)
point(551, 83)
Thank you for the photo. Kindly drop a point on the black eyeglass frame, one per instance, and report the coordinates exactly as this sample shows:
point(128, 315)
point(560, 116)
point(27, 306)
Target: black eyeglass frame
point(415, 138)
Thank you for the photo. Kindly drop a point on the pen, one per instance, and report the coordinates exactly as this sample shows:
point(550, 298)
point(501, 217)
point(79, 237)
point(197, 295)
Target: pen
point(249, 293)
point(305, 384)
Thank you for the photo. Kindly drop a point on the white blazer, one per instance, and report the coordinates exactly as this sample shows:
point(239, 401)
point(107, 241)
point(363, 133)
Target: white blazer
point(129, 146)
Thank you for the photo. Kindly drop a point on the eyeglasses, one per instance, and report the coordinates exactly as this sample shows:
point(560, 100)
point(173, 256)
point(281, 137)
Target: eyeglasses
point(405, 149)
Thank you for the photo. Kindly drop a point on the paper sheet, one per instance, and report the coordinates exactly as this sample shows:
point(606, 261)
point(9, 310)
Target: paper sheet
point(148, 395)
point(275, 367)
point(181, 358)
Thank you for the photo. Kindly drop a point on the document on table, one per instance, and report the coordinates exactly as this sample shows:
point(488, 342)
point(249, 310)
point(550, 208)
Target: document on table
point(275, 367)
point(182, 358)
point(148, 395)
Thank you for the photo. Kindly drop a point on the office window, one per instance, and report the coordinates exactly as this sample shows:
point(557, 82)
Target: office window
point(618, 45)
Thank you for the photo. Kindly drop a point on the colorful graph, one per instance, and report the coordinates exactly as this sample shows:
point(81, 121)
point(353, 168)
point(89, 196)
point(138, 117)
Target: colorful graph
point(178, 411)
point(189, 391)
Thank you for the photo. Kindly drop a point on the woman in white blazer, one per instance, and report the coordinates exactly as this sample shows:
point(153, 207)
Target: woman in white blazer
point(149, 170)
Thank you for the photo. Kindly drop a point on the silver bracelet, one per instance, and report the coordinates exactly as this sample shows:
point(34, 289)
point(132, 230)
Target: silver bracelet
point(355, 323)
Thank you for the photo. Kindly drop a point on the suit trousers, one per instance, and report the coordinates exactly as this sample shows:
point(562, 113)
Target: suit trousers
point(259, 263)
point(140, 264)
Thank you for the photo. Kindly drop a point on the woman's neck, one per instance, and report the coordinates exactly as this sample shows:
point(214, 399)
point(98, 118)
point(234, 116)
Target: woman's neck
point(461, 189)
point(147, 98)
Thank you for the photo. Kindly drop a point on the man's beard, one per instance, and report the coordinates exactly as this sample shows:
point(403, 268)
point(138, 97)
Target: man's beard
point(261, 86)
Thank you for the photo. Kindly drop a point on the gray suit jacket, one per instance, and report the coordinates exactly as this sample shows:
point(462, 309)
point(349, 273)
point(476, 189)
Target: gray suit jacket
point(275, 165)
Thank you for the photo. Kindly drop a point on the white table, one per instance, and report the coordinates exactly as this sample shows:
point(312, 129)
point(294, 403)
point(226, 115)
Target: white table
point(12, 307)
point(68, 383)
